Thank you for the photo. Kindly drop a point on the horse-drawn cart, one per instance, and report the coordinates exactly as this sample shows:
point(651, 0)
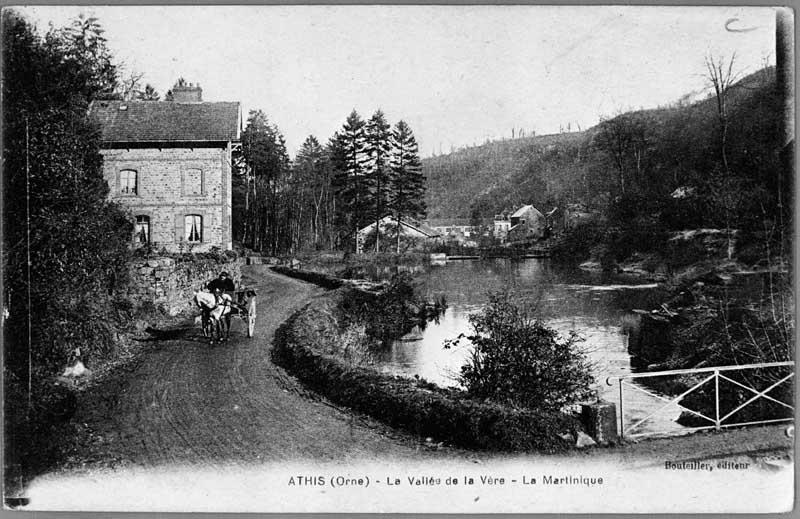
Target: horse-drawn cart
point(217, 311)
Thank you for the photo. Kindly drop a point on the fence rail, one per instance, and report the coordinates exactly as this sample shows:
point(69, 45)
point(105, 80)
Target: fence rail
point(716, 373)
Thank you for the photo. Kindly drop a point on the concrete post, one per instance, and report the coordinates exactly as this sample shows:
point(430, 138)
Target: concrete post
point(600, 421)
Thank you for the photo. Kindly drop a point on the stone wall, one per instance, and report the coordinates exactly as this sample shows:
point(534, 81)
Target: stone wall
point(173, 183)
point(172, 281)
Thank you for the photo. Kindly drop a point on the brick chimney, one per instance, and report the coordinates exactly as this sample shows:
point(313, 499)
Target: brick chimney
point(187, 93)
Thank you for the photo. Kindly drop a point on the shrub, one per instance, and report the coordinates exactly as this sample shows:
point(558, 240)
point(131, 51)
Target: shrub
point(517, 360)
point(390, 313)
point(576, 244)
point(636, 236)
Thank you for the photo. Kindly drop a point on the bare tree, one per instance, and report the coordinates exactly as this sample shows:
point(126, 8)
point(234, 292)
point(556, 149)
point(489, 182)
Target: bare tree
point(721, 75)
point(130, 85)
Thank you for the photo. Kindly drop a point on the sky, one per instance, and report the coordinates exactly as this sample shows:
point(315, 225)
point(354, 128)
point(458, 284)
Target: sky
point(458, 75)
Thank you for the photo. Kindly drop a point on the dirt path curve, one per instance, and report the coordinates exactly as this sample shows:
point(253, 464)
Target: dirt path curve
point(189, 402)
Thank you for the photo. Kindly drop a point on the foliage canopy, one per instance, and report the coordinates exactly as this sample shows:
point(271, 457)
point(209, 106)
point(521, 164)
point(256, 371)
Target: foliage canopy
point(79, 242)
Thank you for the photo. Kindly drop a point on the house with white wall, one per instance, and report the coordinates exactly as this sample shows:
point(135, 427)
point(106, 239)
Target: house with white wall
point(169, 164)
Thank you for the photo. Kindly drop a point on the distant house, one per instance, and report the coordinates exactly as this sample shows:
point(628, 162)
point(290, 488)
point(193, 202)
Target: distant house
point(169, 163)
point(462, 230)
point(454, 226)
point(502, 224)
point(409, 229)
point(527, 224)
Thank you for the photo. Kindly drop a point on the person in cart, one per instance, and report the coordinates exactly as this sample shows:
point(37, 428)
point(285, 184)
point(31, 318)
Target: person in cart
point(223, 284)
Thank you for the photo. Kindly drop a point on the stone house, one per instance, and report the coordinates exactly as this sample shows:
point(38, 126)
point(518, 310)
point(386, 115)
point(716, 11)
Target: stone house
point(169, 164)
point(527, 224)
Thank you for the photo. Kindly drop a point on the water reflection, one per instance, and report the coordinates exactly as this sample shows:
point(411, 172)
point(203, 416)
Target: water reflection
point(592, 304)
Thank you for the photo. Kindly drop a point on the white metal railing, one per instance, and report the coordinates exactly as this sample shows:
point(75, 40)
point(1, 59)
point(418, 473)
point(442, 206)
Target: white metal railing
point(716, 375)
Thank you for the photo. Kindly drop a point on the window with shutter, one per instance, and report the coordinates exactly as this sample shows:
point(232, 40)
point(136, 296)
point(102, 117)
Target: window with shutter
point(193, 228)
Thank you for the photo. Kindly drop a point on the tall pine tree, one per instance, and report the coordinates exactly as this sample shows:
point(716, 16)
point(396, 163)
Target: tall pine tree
point(407, 187)
point(336, 160)
point(379, 149)
point(351, 181)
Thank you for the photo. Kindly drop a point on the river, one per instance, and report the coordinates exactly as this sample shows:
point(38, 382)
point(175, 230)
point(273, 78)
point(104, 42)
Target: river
point(592, 304)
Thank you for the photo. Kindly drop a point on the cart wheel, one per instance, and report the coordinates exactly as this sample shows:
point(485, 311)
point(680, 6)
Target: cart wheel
point(251, 324)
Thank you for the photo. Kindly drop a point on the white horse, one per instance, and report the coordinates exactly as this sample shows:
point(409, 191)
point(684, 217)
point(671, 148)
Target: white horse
point(215, 315)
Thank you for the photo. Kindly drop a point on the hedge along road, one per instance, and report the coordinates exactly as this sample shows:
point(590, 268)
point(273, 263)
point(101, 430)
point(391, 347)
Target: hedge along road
point(189, 402)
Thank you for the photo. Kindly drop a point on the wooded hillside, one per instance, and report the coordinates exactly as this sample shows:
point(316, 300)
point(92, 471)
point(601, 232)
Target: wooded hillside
point(629, 165)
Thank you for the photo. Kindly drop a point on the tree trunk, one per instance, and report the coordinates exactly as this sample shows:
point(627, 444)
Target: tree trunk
point(399, 230)
point(378, 215)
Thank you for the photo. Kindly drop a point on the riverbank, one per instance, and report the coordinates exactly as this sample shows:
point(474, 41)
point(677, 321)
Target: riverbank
point(369, 265)
point(711, 313)
point(332, 356)
point(727, 296)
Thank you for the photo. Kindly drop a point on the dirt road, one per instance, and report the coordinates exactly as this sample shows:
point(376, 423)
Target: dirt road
point(190, 402)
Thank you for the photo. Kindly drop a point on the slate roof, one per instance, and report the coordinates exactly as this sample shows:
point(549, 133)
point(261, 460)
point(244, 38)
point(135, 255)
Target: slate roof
point(522, 210)
point(166, 121)
point(408, 222)
point(424, 229)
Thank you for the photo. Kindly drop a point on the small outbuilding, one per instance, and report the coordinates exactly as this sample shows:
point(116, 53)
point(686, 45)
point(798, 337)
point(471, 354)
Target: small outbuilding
point(527, 224)
point(409, 229)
